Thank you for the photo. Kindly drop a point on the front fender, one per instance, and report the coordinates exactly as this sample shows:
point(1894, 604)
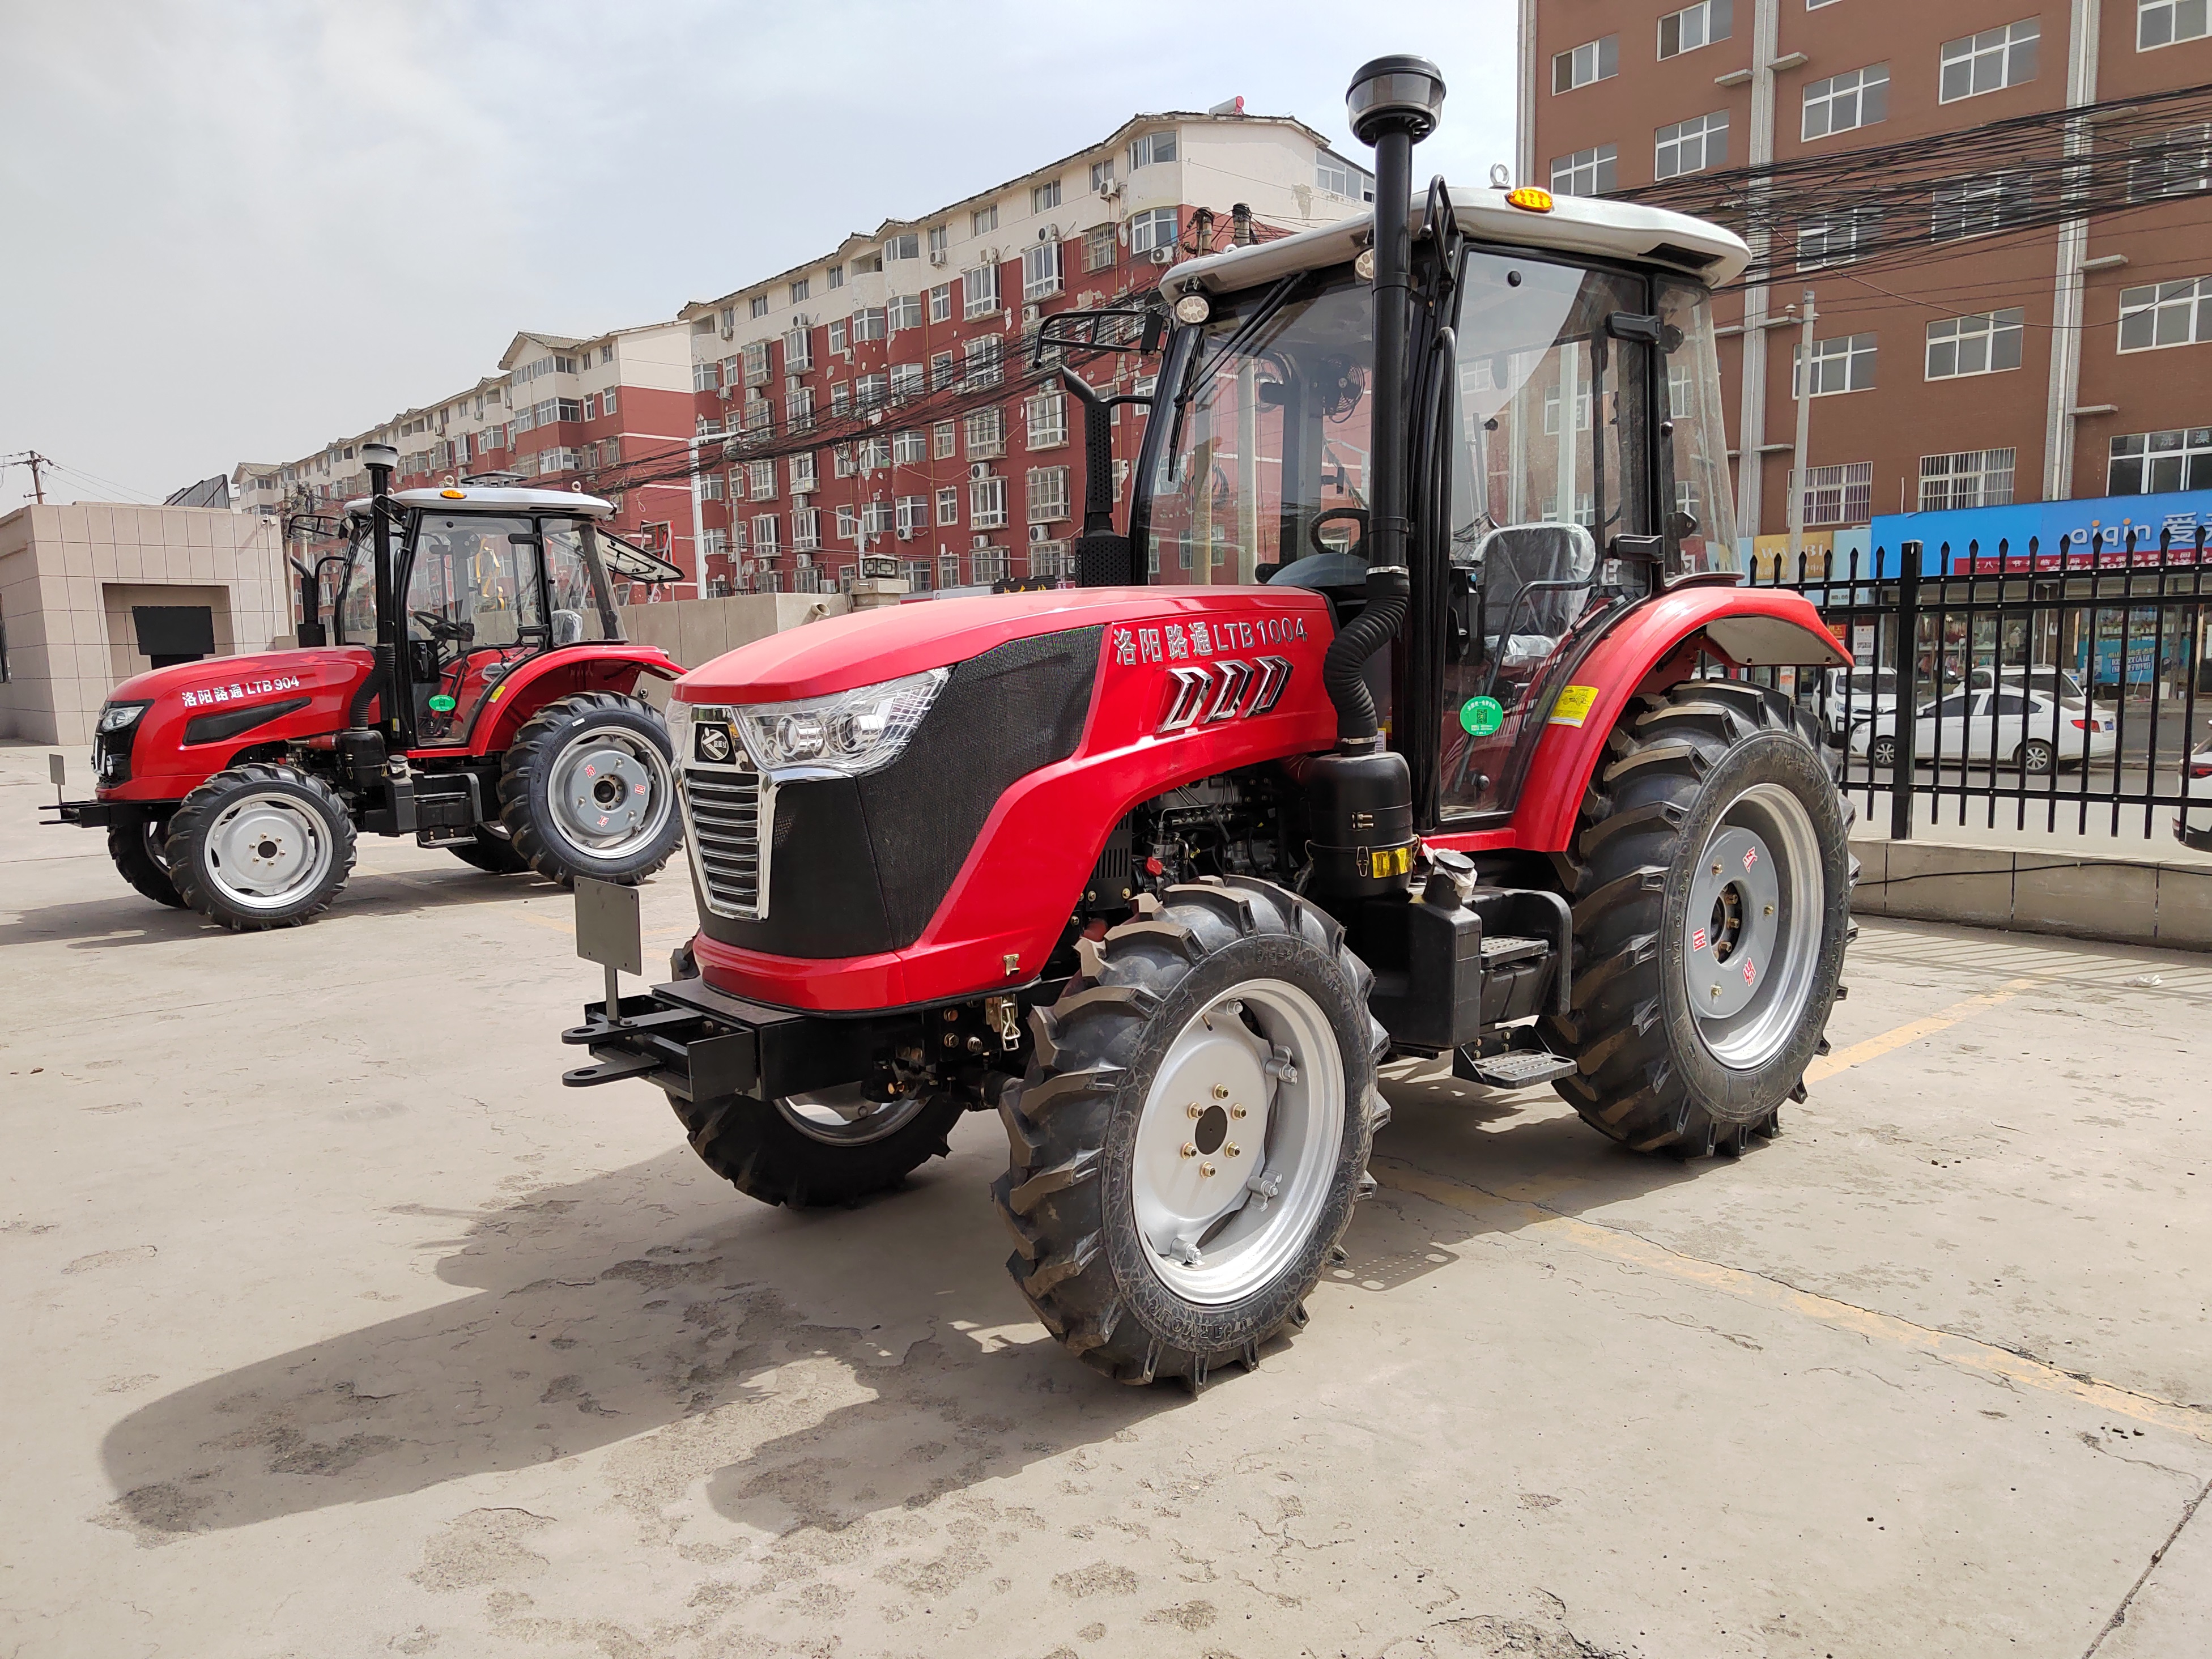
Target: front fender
point(1752, 627)
point(613, 666)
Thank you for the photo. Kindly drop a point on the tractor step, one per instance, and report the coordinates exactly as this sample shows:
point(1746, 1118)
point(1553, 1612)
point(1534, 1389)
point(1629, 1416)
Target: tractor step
point(1517, 1068)
point(1500, 949)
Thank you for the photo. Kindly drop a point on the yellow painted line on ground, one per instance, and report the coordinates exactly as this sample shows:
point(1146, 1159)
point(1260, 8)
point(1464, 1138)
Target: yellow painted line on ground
point(1963, 1352)
point(1873, 1048)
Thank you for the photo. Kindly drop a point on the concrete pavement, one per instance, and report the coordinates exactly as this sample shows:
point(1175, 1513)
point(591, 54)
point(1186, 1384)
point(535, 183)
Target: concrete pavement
point(337, 1328)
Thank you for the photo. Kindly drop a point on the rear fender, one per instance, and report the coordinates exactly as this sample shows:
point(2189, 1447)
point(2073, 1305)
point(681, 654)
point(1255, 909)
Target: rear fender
point(1653, 645)
point(613, 666)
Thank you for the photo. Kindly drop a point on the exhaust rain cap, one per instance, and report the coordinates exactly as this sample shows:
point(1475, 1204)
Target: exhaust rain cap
point(1397, 92)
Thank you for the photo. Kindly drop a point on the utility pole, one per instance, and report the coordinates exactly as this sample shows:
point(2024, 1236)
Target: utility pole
point(1804, 432)
point(34, 461)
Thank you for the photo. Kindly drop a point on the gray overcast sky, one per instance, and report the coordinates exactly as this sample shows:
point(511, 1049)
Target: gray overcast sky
point(235, 231)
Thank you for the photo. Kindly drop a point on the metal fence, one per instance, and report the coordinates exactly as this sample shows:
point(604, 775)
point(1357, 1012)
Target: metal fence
point(2059, 690)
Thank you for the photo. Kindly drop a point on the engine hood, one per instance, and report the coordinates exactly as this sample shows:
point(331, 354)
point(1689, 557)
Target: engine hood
point(310, 668)
point(868, 646)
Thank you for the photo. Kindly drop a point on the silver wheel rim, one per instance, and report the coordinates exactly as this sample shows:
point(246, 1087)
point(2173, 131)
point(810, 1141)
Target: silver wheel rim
point(1238, 1143)
point(1751, 942)
point(265, 851)
point(845, 1116)
point(611, 792)
point(2036, 758)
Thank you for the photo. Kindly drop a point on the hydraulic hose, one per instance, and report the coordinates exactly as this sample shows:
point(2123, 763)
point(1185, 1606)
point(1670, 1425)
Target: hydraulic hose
point(1343, 670)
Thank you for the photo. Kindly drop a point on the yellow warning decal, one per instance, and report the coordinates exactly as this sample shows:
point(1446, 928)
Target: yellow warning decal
point(1574, 705)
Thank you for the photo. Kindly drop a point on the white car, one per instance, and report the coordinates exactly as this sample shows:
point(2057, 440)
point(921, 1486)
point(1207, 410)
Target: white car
point(2192, 824)
point(1849, 695)
point(2031, 731)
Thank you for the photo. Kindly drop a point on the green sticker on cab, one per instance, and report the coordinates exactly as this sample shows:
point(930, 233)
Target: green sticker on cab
point(1480, 717)
point(443, 704)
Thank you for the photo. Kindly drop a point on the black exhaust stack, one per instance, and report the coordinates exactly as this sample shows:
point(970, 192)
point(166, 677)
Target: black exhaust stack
point(381, 461)
point(1361, 798)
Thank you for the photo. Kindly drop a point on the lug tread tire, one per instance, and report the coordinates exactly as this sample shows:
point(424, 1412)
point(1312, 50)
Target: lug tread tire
point(493, 855)
point(190, 819)
point(1628, 1086)
point(1087, 1061)
point(519, 787)
point(755, 1148)
point(134, 861)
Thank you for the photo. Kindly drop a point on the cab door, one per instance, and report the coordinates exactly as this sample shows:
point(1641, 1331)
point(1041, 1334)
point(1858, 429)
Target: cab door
point(475, 602)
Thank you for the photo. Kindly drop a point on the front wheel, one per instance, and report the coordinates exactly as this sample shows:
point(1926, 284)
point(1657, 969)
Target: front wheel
point(260, 846)
point(588, 788)
point(1711, 917)
point(1192, 1132)
point(1883, 753)
point(136, 844)
point(835, 1146)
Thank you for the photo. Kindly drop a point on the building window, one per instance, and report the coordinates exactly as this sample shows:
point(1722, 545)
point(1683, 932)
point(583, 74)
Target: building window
point(908, 247)
point(1047, 490)
point(714, 543)
point(944, 370)
point(1844, 364)
point(1153, 229)
point(1839, 495)
point(1048, 561)
point(805, 530)
point(1838, 240)
point(868, 324)
point(841, 461)
point(1102, 174)
point(909, 447)
point(988, 564)
point(848, 525)
point(870, 392)
point(2162, 22)
point(1586, 172)
point(913, 515)
point(710, 486)
point(2165, 314)
point(1152, 147)
point(760, 305)
point(948, 505)
point(1844, 101)
point(1694, 26)
point(1594, 60)
point(1990, 61)
point(1691, 146)
point(705, 377)
point(760, 480)
point(1974, 477)
point(798, 408)
point(2176, 163)
point(1975, 207)
point(979, 292)
point(939, 237)
point(802, 474)
point(904, 311)
point(875, 454)
point(983, 220)
point(940, 303)
point(876, 519)
point(2160, 463)
point(1047, 421)
point(986, 434)
point(1098, 249)
point(1040, 272)
point(800, 289)
point(943, 441)
point(1045, 197)
point(1335, 176)
point(983, 367)
point(841, 397)
point(841, 335)
point(756, 365)
point(1986, 344)
point(987, 503)
point(905, 381)
point(766, 539)
point(836, 275)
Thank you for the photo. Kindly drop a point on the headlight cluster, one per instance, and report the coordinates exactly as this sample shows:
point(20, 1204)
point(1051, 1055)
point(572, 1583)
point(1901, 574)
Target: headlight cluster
point(119, 716)
point(849, 733)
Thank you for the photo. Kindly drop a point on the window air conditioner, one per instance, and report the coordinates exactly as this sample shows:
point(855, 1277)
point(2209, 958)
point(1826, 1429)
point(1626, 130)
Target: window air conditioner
point(905, 535)
point(729, 332)
point(1030, 314)
point(979, 469)
point(1040, 533)
point(1160, 255)
point(939, 257)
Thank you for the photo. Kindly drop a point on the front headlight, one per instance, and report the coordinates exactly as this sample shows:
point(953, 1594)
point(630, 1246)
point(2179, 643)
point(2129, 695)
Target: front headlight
point(120, 716)
point(851, 732)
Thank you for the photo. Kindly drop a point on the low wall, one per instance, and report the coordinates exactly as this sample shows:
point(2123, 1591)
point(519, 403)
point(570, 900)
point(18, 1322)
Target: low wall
point(696, 631)
point(2135, 903)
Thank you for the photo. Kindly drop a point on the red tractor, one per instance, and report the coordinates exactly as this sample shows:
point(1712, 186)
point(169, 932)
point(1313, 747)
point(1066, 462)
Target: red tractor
point(1408, 719)
point(472, 689)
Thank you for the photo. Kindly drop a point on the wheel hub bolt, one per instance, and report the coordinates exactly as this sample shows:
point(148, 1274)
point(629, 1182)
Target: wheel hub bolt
point(1237, 1111)
point(1206, 1169)
point(1233, 1150)
point(1770, 909)
point(1221, 1091)
point(1189, 1149)
point(1195, 1109)
point(1716, 869)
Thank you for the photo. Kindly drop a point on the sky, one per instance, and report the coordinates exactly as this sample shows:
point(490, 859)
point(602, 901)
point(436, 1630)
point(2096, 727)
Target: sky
point(237, 231)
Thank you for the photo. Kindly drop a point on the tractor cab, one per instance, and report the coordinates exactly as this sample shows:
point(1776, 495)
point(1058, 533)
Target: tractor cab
point(484, 579)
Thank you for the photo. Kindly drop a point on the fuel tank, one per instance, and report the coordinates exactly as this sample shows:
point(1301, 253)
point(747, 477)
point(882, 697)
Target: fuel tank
point(953, 869)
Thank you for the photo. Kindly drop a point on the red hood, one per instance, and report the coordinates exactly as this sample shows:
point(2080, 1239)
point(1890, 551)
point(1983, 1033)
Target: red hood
point(322, 665)
point(869, 647)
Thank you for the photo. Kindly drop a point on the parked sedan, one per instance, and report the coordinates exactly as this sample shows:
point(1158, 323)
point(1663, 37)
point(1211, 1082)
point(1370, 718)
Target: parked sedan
point(1869, 692)
point(2028, 730)
point(2192, 824)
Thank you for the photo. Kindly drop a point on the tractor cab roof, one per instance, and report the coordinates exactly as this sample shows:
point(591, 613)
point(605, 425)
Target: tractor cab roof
point(1593, 225)
point(496, 498)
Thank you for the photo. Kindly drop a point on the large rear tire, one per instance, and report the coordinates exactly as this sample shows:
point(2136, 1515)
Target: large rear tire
point(260, 846)
point(492, 851)
point(834, 1147)
point(1711, 917)
point(1193, 1133)
point(588, 788)
point(135, 843)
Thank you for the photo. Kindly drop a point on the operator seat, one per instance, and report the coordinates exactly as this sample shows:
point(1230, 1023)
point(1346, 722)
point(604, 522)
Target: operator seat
point(1511, 559)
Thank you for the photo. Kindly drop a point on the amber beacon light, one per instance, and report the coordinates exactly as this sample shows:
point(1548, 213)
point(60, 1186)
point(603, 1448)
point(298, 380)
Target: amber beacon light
point(1530, 198)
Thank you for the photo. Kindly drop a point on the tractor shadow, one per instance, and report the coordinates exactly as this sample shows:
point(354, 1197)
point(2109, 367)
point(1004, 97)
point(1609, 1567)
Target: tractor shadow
point(810, 1368)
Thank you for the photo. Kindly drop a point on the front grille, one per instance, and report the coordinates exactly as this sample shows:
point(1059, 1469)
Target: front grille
point(111, 756)
point(725, 811)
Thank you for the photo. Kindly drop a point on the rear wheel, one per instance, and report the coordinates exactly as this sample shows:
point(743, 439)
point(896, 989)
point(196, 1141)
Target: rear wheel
point(1883, 753)
point(135, 843)
point(260, 846)
point(492, 851)
point(833, 1146)
point(2037, 758)
point(1193, 1133)
point(1711, 917)
point(588, 788)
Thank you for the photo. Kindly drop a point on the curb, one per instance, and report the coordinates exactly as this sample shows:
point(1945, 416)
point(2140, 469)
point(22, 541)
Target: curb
point(2127, 901)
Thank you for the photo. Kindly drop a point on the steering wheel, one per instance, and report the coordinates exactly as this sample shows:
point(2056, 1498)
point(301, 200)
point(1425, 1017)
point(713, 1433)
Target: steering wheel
point(1357, 514)
point(439, 628)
